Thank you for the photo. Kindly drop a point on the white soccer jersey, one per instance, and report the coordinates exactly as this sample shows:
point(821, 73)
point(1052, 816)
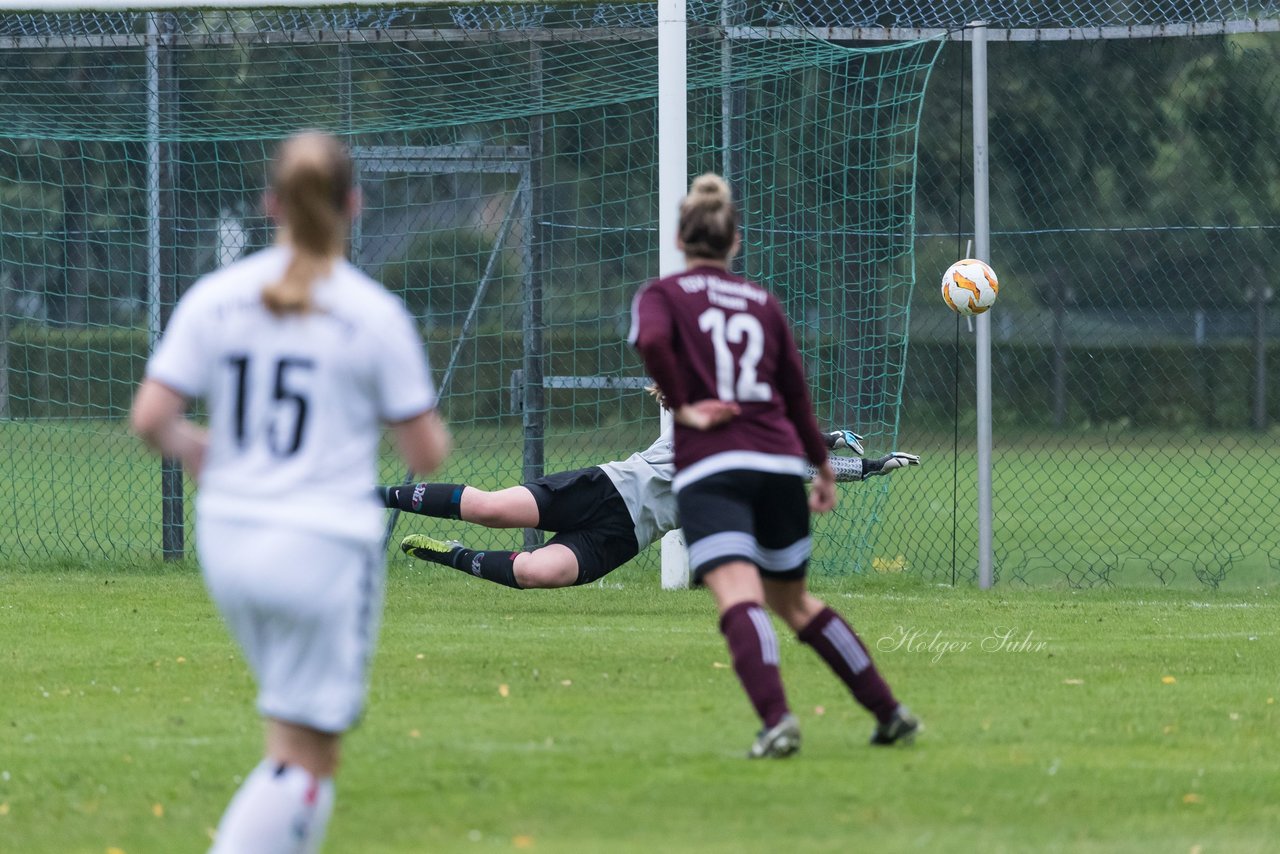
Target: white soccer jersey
point(644, 482)
point(295, 402)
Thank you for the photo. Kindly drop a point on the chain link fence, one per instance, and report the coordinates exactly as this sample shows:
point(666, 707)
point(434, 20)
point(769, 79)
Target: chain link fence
point(509, 169)
point(507, 157)
point(1134, 219)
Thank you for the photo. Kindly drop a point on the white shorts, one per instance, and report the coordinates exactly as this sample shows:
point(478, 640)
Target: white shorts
point(305, 610)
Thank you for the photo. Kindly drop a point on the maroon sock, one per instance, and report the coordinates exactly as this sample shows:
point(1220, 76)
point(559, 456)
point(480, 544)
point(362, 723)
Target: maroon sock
point(754, 647)
point(838, 644)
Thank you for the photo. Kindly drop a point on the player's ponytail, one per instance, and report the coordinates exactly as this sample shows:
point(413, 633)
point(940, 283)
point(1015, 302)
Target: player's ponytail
point(311, 181)
point(708, 219)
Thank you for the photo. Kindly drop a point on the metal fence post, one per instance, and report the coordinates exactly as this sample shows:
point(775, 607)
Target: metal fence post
point(982, 249)
point(163, 272)
point(533, 415)
point(4, 347)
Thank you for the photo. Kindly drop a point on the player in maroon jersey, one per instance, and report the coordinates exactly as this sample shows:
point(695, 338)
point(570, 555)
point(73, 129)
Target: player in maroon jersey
point(722, 351)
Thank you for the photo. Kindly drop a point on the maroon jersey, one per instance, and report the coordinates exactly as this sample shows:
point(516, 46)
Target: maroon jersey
point(706, 333)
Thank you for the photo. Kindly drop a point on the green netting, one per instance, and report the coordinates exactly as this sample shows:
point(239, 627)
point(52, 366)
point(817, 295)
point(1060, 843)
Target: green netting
point(510, 184)
point(251, 87)
point(508, 158)
point(1136, 375)
point(532, 15)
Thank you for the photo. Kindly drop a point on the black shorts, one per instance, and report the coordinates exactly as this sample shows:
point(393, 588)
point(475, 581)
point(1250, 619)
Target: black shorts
point(760, 517)
point(588, 516)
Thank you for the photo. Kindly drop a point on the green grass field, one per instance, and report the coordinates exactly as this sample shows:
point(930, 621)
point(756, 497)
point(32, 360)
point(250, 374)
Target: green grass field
point(1111, 721)
point(1137, 715)
point(1147, 509)
point(1188, 511)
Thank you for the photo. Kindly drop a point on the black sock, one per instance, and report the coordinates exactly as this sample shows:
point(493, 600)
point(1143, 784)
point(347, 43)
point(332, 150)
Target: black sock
point(441, 500)
point(498, 567)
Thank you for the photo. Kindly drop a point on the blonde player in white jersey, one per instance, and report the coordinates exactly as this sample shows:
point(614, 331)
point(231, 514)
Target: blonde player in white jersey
point(301, 360)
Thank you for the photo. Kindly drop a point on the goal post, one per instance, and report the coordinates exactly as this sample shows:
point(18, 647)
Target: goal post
point(673, 183)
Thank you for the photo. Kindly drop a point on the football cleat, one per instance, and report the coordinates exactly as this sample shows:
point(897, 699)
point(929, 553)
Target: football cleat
point(428, 548)
point(779, 741)
point(902, 727)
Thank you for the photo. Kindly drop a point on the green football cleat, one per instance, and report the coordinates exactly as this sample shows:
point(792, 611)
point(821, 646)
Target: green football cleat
point(778, 742)
point(428, 548)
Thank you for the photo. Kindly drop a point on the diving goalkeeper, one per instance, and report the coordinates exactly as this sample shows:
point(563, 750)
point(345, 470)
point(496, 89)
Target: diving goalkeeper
point(601, 516)
point(605, 515)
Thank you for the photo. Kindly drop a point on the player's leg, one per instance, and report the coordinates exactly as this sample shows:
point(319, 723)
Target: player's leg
point(834, 640)
point(294, 782)
point(596, 535)
point(513, 507)
point(303, 746)
point(549, 566)
point(753, 646)
point(570, 558)
point(717, 527)
point(784, 556)
point(308, 636)
point(496, 565)
point(597, 532)
point(574, 558)
point(553, 565)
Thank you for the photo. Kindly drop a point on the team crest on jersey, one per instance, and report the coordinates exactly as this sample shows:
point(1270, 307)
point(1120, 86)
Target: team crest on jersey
point(418, 492)
point(475, 564)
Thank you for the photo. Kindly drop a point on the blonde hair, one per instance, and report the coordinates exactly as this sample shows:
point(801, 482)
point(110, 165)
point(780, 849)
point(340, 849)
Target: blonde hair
point(708, 219)
point(656, 393)
point(311, 181)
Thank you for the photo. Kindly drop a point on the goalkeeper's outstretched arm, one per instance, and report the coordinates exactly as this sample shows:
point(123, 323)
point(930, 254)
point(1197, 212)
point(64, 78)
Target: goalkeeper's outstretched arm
point(859, 468)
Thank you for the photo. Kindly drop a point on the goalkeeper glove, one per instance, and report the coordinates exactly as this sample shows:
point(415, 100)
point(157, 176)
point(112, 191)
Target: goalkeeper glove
point(887, 463)
point(838, 439)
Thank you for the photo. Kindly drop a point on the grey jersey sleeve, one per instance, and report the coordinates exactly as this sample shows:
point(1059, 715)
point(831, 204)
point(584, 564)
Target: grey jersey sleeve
point(846, 468)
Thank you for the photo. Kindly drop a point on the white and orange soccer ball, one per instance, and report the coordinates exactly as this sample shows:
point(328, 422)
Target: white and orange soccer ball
point(970, 287)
